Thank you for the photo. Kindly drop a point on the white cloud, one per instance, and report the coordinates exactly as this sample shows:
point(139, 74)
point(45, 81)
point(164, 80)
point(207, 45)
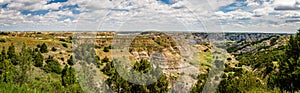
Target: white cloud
point(263, 11)
point(197, 15)
point(53, 6)
point(272, 16)
point(284, 2)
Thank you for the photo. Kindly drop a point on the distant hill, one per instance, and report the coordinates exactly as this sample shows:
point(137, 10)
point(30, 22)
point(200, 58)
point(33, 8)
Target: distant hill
point(243, 43)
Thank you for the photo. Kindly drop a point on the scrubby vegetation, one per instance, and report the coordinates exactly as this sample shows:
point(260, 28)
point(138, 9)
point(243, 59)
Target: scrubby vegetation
point(53, 49)
point(24, 71)
point(65, 45)
point(30, 66)
point(44, 48)
point(2, 40)
point(118, 84)
point(272, 70)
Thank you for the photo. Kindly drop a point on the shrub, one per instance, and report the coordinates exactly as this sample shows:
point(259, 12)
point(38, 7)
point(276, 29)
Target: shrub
point(97, 47)
point(70, 38)
point(62, 59)
point(52, 66)
point(44, 48)
point(53, 49)
point(106, 49)
point(98, 63)
point(69, 51)
point(12, 55)
point(63, 40)
point(68, 76)
point(2, 40)
point(70, 61)
point(36, 50)
point(108, 69)
point(38, 60)
point(65, 45)
point(105, 60)
point(39, 46)
point(4, 33)
point(229, 59)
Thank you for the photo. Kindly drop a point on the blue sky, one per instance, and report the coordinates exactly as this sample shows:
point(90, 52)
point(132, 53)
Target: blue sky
point(140, 15)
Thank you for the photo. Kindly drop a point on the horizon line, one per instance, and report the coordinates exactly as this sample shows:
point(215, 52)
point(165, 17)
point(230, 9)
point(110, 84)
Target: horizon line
point(287, 32)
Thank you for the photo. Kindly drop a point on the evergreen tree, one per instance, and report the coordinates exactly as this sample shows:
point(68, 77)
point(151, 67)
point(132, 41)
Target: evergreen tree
point(118, 84)
point(11, 53)
point(70, 61)
point(6, 72)
point(3, 54)
point(38, 46)
point(72, 76)
point(109, 69)
point(44, 48)
point(289, 66)
point(53, 49)
point(65, 45)
point(25, 64)
point(52, 66)
point(105, 60)
point(161, 86)
point(106, 49)
point(64, 76)
point(200, 83)
point(98, 62)
point(68, 76)
point(143, 66)
point(39, 60)
point(139, 89)
point(239, 83)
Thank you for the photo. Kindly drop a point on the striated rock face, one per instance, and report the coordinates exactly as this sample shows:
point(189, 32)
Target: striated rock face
point(143, 55)
point(136, 55)
point(170, 54)
point(249, 36)
point(252, 45)
point(178, 54)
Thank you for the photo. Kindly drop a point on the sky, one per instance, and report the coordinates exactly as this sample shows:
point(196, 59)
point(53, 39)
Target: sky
point(145, 15)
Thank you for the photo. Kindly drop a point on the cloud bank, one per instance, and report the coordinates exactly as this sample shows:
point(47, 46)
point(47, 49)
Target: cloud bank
point(140, 15)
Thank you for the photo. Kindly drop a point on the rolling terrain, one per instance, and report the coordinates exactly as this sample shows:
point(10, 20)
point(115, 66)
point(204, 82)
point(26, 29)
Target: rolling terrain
point(186, 61)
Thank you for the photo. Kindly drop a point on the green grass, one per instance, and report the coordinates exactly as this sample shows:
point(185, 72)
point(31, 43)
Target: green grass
point(30, 42)
point(202, 60)
point(13, 88)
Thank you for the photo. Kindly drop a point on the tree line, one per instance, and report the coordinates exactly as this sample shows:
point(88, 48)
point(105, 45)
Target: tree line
point(20, 69)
